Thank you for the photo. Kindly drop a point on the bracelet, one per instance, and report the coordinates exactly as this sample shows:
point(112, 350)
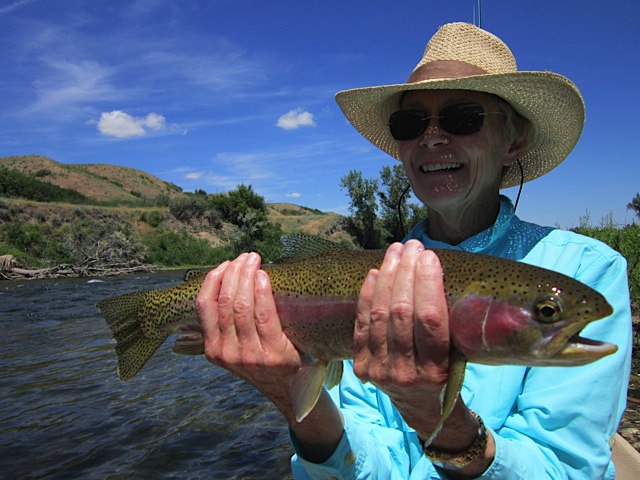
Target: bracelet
point(461, 459)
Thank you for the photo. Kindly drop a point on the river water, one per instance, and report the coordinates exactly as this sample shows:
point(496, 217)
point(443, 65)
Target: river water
point(65, 415)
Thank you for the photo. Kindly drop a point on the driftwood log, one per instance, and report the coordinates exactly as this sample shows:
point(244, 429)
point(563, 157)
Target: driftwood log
point(105, 255)
point(59, 271)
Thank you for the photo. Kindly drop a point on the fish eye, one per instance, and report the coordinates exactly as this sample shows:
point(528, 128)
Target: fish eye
point(548, 309)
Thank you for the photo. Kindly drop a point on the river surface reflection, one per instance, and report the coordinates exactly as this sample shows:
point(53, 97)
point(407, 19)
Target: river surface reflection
point(64, 414)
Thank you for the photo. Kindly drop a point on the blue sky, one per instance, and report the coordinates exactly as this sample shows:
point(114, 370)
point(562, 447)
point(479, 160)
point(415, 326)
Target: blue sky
point(212, 93)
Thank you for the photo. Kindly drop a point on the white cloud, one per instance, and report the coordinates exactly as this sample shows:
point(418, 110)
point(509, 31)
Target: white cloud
point(194, 175)
point(295, 119)
point(122, 125)
point(294, 195)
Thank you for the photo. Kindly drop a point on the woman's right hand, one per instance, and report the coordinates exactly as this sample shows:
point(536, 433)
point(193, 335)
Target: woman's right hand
point(242, 331)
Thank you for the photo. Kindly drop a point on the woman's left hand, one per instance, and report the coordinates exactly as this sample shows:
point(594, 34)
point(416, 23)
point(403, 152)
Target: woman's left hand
point(402, 342)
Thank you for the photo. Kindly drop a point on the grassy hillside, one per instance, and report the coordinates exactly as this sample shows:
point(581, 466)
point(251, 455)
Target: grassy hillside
point(105, 183)
point(122, 204)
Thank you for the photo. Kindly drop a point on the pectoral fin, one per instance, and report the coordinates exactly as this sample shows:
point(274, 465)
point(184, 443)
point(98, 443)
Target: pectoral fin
point(306, 385)
point(450, 392)
point(190, 341)
point(333, 375)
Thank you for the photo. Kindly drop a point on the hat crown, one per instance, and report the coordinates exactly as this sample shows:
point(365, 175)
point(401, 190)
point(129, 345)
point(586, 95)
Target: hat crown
point(463, 42)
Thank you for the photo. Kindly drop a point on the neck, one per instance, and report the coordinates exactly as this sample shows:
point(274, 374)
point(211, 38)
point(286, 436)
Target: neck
point(455, 225)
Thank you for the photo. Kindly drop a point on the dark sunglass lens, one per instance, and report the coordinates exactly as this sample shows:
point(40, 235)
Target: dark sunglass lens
point(407, 124)
point(462, 119)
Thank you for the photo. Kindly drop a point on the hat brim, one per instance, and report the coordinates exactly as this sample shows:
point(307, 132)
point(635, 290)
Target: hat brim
point(551, 102)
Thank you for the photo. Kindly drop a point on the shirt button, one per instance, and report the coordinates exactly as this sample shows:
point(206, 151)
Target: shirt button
point(350, 458)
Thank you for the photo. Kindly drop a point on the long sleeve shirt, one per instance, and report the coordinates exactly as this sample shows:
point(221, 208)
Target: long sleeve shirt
point(547, 422)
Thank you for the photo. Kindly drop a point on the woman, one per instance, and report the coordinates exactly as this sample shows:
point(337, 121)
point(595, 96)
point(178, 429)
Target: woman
point(464, 125)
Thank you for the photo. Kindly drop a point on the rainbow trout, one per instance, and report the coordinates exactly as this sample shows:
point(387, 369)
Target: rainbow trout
point(501, 312)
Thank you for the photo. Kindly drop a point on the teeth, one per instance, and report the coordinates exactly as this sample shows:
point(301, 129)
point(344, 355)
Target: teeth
point(439, 166)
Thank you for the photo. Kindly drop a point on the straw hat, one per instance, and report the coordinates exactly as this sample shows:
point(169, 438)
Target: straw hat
point(461, 56)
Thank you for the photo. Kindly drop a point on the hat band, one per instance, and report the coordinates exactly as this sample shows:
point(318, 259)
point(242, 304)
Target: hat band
point(441, 69)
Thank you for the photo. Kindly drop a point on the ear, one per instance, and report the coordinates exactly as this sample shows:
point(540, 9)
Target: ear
point(515, 151)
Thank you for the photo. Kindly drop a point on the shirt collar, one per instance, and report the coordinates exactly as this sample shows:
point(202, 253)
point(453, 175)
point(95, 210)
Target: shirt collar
point(477, 243)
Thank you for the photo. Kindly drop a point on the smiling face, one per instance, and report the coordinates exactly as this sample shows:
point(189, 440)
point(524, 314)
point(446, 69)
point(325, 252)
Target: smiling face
point(449, 171)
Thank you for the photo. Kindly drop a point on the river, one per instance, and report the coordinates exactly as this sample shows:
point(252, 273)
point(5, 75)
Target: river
point(65, 415)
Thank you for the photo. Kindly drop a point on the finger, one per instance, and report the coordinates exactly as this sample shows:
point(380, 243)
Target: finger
point(380, 302)
point(267, 322)
point(244, 302)
point(432, 316)
point(361, 330)
point(226, 298)
point(206, 301)
point(401, 321)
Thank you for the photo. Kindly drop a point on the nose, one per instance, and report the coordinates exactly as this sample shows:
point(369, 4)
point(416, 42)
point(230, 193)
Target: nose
point(433, 136)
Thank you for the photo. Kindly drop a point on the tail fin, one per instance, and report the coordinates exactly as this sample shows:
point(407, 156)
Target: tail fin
point(133, 348)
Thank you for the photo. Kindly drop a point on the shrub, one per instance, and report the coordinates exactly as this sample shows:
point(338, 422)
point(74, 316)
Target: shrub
point(14, 184)
point(627, 242)
point(187, 208)
point(172, 249)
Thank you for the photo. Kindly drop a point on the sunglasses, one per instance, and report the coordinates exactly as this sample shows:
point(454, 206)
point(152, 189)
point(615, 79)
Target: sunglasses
point(459, 119)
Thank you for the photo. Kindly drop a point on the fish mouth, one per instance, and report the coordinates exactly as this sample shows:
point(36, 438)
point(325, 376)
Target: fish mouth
point(578, 350)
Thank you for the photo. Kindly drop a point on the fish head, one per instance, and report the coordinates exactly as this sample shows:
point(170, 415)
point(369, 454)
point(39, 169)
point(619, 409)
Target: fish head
point(535, 324)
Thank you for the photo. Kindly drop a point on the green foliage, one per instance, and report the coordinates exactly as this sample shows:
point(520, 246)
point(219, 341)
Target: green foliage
point(14, 184)
point(173, 186)
point(161, 200)
point(247, 210)
point(291, 212)
point(188, 207)
point(153, 218)
point(635, 205)
point(397, 215)
point(173, 249)
point(368, 230)
point(626, 241)
point(363, 223)
point(256, 234)
point(34, 242)
point(233, 205)
point(6, 212)
point(43, 172)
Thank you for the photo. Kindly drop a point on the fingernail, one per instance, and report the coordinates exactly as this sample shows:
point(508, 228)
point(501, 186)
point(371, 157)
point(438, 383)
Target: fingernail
point(415, 245)
point(253, 258)
point(427, 258)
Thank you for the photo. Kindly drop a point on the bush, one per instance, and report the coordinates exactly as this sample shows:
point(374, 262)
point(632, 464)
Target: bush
point(34, 242)
point(14, 184)
point(153, 218)
point(627, 242)
point(187, 208)
point(172, 249)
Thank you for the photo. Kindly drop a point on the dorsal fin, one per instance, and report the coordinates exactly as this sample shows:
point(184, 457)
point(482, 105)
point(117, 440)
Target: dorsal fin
point(193, 274)
point(296, 246)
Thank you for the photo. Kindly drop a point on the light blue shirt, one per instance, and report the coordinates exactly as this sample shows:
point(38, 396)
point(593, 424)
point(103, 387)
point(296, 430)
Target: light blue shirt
point(547, 422)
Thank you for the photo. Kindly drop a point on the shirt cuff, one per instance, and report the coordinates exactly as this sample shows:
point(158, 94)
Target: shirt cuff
point(342, 465)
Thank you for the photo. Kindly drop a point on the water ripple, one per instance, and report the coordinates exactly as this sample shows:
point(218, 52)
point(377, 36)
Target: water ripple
point(64, 414)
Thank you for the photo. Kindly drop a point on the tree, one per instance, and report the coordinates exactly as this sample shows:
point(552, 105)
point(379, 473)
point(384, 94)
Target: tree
point(248, 212)
point(635, 205)
point(363, 223)
point(398, 215)
point(368, 230)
